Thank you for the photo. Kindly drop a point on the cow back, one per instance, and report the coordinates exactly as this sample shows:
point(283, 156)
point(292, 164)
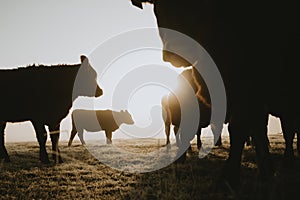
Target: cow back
point(40, 93)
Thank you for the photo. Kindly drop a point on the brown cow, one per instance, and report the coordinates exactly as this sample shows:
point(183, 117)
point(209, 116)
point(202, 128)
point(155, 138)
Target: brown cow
point(98, 120)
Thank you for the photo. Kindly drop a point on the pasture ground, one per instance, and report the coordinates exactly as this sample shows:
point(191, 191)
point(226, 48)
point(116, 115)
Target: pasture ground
point(81, 176)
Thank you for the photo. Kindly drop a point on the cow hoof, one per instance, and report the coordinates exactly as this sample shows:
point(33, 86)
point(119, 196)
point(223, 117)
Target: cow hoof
point(45, 160)
point(168, 146)
point(218, 144)
point(60, 161)
point(199, 146)
point(109, 142)
point(179, 145)
point(181, 159)
point(57, 159)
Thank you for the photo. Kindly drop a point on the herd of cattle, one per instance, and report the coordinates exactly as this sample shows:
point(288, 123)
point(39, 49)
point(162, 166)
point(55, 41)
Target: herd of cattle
point(255, 45)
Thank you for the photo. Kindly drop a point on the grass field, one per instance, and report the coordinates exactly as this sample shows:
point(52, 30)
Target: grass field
point(81, 176)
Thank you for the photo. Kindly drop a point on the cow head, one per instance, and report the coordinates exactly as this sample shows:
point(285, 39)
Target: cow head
point(86, 80)
point(125, 117)
point(170, 17)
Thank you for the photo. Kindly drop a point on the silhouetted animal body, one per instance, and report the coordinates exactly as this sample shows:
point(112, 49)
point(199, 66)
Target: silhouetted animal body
point(172, 110)
point(252, 43)
point(98, 120)
point(290, 124)
point(44, 95)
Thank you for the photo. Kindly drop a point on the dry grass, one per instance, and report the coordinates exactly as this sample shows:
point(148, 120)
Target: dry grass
point(82, 176)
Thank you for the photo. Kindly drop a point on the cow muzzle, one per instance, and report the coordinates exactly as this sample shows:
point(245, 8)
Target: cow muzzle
point(99, 92)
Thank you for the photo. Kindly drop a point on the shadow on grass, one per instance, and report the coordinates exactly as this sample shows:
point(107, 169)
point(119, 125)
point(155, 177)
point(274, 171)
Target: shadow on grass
point(199, 179)
point(81, 176)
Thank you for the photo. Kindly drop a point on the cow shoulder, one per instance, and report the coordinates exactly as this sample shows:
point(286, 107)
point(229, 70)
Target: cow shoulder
point(106, 119)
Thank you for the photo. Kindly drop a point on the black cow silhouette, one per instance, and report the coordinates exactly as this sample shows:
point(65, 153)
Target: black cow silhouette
point(290, 126)
point(172, 110)
point(44, 95)
point(98, 120)
point(252, 43)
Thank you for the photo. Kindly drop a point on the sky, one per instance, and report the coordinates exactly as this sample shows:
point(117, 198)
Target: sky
point(56, 32)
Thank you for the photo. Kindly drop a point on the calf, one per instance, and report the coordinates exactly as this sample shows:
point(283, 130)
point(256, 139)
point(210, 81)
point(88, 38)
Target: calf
point(44, 96)
point(98, 120)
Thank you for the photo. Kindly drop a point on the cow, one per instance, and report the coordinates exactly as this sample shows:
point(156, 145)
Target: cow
point(172, 110)
point(252, 43)
point(290, 127)
point(98, 120)
point(44, 95)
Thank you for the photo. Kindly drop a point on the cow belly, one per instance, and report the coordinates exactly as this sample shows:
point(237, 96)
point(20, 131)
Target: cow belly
point(88, 124)
point(95, 128)
point(17, 116)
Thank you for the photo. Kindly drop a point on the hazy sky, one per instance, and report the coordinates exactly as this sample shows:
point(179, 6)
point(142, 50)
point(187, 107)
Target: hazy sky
point(53, 32)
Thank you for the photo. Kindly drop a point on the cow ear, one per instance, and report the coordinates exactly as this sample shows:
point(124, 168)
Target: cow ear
point(83, 58)
point(137, 3)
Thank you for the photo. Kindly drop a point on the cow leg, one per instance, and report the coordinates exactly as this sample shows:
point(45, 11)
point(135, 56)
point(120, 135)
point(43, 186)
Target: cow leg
point(298, 141)
point(73, 133)
point(3, 151)
point(41, 135)
point(289, 135)
point(190, 146)
point(217, 130)
point(54, 135)
point(167, 131)
point(185, 144)
point(261, 143)
point(266, 171)
point(237, 139)
point(108, 137)
point(80, 135)
point(248, 141)
point(177, 136)
point(181, 158)
point(166, 117)
point(199, 143)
